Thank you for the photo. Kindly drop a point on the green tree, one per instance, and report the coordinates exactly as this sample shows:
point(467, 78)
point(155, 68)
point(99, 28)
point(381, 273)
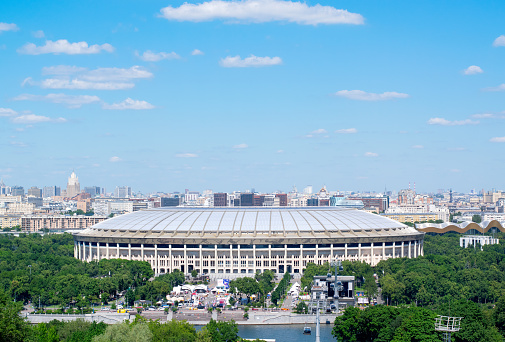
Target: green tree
point(172, 331)
point(221, 331)
point(476, 218)
point(125, 332)
point(13, 328)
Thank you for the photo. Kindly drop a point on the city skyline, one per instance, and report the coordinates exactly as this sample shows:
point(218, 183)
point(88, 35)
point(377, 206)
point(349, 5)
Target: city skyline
point(215, 95)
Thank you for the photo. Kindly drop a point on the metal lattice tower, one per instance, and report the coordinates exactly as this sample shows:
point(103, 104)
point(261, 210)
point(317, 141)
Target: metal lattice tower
point(447, 325)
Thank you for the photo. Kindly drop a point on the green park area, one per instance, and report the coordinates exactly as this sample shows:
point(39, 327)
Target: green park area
point(447, 280)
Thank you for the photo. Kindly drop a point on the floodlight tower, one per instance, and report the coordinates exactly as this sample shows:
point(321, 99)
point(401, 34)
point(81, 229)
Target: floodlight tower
point(447, 325)
point(337, 285)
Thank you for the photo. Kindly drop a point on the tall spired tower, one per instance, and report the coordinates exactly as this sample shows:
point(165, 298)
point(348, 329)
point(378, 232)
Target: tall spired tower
point(73, 186)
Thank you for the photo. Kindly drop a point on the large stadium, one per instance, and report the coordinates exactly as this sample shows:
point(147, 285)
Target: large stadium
point(240, 241)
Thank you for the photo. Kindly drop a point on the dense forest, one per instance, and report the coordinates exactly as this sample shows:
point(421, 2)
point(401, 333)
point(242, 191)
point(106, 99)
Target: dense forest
point(447, 280)
point(36, 268)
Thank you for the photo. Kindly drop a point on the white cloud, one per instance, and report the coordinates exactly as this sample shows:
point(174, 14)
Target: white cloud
point(483, 116)
point(72, 77)
point(115, 159)
point(7, 112)
point(418, 146)
point(65, 47)
point(38, 34)
point(196, 52)
point(129, 104)
point(18, 144)
point(280, 151)
point(501, 87)
point(150, 56)
point(62, 70)
point(240, 146)
point(186, 155)
point(251, 61)
point(28, 119)
point(54, 83)
point(500, 41)
point(371, 154)
point(498, 139)
point(361, 95)
point(473, 70)
point(260, 11)
point(72, 101)
point(346, 131)
point(8, 27)
point(444, 122)
point(319, 131)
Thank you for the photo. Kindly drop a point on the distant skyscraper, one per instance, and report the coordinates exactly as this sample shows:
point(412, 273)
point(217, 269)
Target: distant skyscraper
point(92, 190)
point(17, 191)
point(220, 199)
point(246, 200)
point(308, 190)
point(170, 201)
point(50, 191)
point(123, 192)
point(35, 192)
point(4, 189)
point(283, 199)
point(73, 186)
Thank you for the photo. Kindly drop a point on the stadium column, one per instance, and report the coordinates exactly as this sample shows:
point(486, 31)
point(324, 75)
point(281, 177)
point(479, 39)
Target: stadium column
point(345, 251)
point(403, 246)
point(79, 250)
point(383, 251)
point(239, 259)
point(129, 251)
point(286, 257)
point(98, 250)
point(231, 258)
point(75, 249)
point(359, 252)
point(371, 255)
point(156, 259)
point(107, 250)
point(142, 251)
point(215, 259)
point(186, 266)
point(90, 256)
point(171, 256)
point(421, 248)
point(117, 251)
point(302, 266)
point(331, 253)
point(270, 255)
point(415, 249)
point(410, 249)
point(83, 256)
point(317, 254)
point(394, 249)
point(254, 257)
point(200, 257)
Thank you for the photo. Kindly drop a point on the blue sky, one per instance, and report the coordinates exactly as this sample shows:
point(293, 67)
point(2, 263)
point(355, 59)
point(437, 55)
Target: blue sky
point(230, 95)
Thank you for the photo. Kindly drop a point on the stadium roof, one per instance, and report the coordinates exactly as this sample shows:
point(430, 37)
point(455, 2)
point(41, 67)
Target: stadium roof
point(258, 220)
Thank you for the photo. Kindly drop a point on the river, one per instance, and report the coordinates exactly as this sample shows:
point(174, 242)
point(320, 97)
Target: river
point(286, 333)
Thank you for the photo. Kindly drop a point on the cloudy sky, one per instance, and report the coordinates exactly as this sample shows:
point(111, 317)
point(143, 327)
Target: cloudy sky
point(230, 95)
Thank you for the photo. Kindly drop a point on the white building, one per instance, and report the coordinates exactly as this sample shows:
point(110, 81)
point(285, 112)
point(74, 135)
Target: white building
point(473, 240)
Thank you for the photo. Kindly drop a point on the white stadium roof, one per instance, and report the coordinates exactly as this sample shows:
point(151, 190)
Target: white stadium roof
point(258, 220)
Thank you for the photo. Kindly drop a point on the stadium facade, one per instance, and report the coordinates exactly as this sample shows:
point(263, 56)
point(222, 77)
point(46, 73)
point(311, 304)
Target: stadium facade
point(233, 242)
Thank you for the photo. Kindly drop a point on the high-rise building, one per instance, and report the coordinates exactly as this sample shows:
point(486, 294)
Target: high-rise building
point(123, 192)
point(73, 186)
point(4, 189)
point(220, 199)
point(170, 201)
point(35, 192)
point(92, 190)
point(246, 200)
point(17, 191)
point(283, 199)
point(50, 191)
